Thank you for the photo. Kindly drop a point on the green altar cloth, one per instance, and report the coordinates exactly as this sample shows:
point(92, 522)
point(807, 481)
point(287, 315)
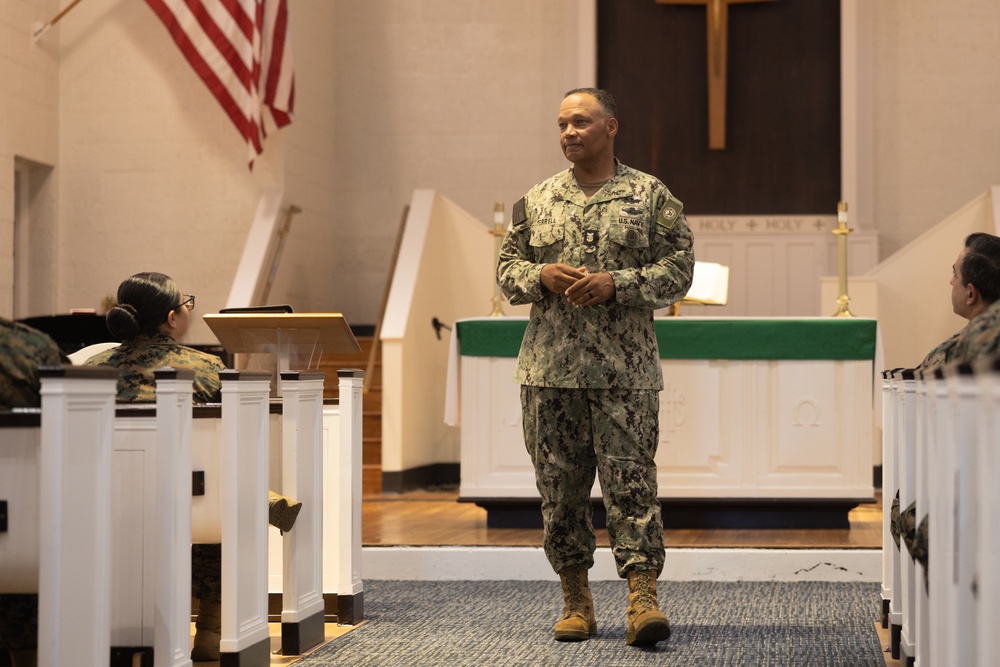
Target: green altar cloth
point(832, 338)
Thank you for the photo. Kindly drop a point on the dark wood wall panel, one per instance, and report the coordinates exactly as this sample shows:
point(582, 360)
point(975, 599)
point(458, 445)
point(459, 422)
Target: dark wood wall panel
point(782, 152)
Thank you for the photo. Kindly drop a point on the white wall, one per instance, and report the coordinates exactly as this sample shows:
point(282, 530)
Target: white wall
point(937, 112)
point(29, 104)
point(459, 96)
point(394, 95)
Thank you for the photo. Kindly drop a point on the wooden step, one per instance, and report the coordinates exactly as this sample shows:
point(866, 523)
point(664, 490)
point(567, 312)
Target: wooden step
point(371, 452)
point(371, 479)
point(371, 404)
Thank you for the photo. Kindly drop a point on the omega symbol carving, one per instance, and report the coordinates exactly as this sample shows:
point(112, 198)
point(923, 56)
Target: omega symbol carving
point(806, 413)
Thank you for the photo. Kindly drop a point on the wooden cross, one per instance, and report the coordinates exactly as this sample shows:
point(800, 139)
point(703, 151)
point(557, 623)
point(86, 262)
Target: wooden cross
point(717, 17)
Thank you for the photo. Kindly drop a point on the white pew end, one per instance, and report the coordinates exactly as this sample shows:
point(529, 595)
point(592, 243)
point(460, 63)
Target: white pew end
point(906, 451)
point(987, 460)
point(74, 535)
point(888, 493)
point(302, 613)
point(244, 508)
point(172, 599)
point(342, 578)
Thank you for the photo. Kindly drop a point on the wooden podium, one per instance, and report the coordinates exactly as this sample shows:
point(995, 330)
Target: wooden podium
point(277, 342)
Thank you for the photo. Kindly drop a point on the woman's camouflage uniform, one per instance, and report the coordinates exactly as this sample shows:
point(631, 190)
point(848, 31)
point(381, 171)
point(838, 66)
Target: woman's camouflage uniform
point(590, 375)
point(136, 359)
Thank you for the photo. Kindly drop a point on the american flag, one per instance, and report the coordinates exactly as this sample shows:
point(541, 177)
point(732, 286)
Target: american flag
point(240, 50)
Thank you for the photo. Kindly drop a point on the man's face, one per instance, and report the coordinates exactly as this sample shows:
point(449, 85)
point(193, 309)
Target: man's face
point(585, 131)
point(959, 291)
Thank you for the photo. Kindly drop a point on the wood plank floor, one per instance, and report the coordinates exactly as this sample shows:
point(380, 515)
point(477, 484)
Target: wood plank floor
point(436, 518)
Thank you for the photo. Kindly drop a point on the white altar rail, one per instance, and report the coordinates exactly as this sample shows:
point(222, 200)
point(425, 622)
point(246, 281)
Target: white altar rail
point(940, 453)
point(55, 475)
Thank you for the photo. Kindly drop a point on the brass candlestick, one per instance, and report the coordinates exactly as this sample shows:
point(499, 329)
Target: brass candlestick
point(498, 233)
point(842, 231)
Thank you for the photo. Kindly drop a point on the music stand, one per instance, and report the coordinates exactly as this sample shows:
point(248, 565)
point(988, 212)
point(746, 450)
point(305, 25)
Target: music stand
point(279, 342)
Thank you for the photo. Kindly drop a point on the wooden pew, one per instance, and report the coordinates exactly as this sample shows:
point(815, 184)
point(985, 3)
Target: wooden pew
point(888, 492)
point(229, 446)
point(172, 590)
point(941, 462)
point(342, 585)
point(342, 580)
point(302, 613)
point(56, 478)
point(987, 471)
point(140, 443)
point(904, 433)
point(961, 504)
point(943, 449)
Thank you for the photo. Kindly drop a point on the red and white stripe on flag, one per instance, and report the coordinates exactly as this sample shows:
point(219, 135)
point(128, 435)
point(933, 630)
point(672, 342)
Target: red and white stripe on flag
point(240, 50)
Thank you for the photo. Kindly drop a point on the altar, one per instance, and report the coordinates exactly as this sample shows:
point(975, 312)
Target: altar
point(764, 422)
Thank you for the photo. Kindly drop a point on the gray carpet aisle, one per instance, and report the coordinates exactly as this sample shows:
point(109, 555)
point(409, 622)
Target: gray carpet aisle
point(509, 624)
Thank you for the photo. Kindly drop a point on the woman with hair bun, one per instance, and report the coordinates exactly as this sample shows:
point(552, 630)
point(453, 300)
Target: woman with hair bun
point(151, 315)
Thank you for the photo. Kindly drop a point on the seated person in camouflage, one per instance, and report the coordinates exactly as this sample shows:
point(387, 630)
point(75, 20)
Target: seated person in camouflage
point(22, 351)
point(975, 295)
point(151, 315)
point(975, 287)
point(981, 338)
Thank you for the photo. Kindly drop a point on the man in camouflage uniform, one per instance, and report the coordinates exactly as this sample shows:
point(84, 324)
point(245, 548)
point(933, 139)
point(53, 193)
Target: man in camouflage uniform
point(22, 351)
point(975, 295)
point(975, 286)
point(595, 249)
point(981, 338)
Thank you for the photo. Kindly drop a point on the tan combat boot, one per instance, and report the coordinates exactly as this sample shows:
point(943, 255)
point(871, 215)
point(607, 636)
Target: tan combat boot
point(282, 511)
point(578, 622)
point(646, 623)
point(208, 632)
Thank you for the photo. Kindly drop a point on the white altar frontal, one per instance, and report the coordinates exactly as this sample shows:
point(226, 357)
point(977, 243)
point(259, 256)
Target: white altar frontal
point(763, 422)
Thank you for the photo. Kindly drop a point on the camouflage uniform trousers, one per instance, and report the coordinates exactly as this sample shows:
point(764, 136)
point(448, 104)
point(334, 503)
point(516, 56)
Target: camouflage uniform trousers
point(914, 536)
point(18, 621)
point(572, 433)
point(206, 572)
point(19, 612)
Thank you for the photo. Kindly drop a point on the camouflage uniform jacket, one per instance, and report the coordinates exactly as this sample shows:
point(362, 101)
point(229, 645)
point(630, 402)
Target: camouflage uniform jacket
point(980, 337)
point(941, 354)
point(632, 228)
point(136, 359)
point(22, 351)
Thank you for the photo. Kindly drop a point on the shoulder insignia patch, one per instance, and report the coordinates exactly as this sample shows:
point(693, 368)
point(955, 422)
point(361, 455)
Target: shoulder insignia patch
point(518, 214)
point(671, 210)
